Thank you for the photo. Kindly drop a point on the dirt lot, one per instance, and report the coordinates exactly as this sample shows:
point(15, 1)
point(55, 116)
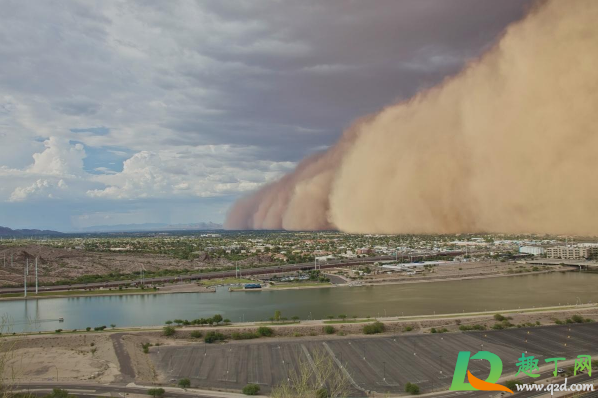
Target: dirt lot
point(449, 270)
point(68, 357)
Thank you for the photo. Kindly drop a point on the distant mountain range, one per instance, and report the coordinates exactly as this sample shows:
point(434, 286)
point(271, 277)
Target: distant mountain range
point(19, 233)
point(202, 226)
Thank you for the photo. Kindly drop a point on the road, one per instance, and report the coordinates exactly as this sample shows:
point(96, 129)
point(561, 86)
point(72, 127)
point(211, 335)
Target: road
point(223, 274)
point(81, 389)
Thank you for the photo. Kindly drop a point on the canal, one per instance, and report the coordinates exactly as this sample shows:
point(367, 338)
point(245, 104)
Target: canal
point(492, 294)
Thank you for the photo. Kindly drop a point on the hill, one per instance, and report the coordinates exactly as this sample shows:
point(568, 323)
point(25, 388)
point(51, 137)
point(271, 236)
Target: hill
point(6, 232)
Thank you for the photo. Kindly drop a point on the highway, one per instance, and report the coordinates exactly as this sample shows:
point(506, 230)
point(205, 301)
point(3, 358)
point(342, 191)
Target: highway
point(224, 274)
point(81, 389)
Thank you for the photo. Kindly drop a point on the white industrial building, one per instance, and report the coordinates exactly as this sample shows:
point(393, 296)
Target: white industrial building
point(535, 250)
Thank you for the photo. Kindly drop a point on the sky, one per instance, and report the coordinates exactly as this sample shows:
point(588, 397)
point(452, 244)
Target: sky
point(123, 112)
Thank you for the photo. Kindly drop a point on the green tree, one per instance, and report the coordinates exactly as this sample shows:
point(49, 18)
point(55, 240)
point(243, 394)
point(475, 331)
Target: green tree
point(277, 315)
point(112, 325)
point(185, 383)
point(217, 318)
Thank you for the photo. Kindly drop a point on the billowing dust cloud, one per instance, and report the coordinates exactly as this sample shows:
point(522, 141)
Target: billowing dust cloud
point(508, 145)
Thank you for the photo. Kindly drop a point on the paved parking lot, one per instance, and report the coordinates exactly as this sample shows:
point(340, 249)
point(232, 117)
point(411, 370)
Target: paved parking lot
point(381, 364)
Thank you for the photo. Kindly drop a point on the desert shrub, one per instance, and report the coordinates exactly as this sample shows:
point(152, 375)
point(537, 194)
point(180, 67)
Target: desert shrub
point(212, 337)
point(329, 329)
point(168, 331)
point(196, 334)
point(373, 328)
point(146, 347)
point(577, 319)
point(412, 389)
point(251, 389)
point(156, 392)
point(265, 331)
point(407, 328)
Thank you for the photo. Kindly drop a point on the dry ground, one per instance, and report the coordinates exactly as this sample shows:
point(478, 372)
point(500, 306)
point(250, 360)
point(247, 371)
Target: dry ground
point(68, 357)
point(59, 264)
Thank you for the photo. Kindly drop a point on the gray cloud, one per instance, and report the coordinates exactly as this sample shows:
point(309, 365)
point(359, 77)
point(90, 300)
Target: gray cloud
point(275, 80)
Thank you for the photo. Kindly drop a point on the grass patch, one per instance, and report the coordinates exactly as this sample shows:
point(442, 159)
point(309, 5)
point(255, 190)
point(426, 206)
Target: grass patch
point(299, 284)
point(224, 281)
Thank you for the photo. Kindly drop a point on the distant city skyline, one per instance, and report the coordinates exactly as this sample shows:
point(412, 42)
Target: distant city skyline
point(169, 112)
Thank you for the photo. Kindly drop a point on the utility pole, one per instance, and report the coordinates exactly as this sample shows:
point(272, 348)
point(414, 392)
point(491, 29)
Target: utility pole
point(25, 281)
point(36, 275)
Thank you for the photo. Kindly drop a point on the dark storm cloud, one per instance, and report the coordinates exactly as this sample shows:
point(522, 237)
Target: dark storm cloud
point(315, 66)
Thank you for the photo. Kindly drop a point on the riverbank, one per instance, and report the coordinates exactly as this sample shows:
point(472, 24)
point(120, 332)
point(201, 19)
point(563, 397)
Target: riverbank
point(169, 289)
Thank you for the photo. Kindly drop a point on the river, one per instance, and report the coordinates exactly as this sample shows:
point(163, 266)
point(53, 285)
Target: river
point(492, 294)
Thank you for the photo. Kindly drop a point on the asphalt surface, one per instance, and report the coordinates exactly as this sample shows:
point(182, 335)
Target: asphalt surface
point(124, 360)
point(380, 364)
point(224, 274)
